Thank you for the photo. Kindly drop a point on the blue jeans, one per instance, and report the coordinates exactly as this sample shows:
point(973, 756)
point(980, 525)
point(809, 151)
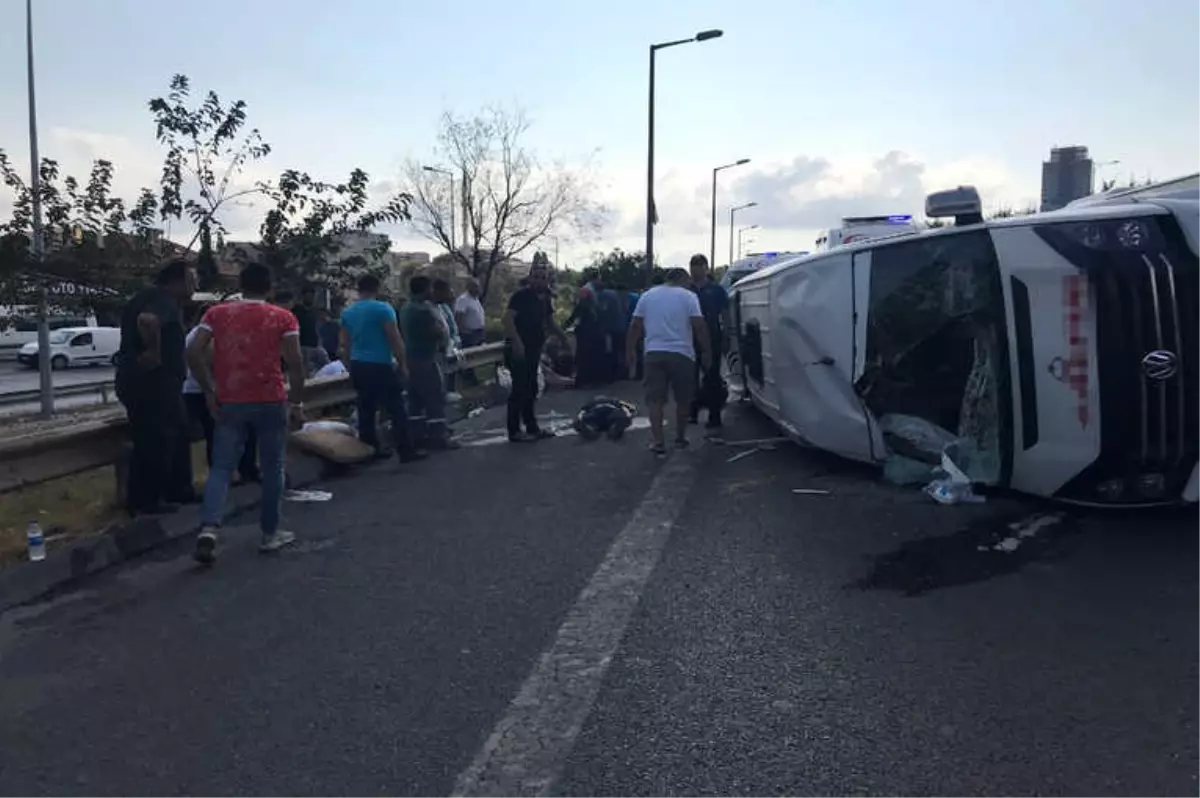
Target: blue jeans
point(235, 422)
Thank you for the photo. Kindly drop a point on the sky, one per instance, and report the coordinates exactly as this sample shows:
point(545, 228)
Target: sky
point(849, 107)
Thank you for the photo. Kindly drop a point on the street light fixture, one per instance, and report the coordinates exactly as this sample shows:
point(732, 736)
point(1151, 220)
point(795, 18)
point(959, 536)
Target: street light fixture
point(712, 244)
point(732, 212)
point(651, 212)
point(449, 174)
point(742, 230)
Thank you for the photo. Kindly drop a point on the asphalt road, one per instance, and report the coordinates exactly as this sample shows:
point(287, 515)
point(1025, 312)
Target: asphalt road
point(582, 619)
point(16, 378)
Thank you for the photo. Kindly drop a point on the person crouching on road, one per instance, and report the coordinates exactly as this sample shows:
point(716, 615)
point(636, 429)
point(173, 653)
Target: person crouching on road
point(669, 320)
point(245, 390)
point(529, 317)
point(425, 336)
point(370, 342)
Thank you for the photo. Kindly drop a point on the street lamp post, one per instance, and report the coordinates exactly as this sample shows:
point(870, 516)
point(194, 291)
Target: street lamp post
point(712, 244)
point(37, 242)
point(732, 212)
point(651, 213)
point(449, 174)
point(742, 230)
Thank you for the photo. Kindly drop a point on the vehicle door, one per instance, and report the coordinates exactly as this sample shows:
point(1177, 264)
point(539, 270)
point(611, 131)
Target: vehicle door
point(82, 349)
point(813, 353)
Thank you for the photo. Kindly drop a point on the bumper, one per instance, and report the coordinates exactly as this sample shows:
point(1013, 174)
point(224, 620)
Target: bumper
point(27, 360)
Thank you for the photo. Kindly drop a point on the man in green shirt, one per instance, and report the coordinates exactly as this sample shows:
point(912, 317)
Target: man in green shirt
point(424, 337)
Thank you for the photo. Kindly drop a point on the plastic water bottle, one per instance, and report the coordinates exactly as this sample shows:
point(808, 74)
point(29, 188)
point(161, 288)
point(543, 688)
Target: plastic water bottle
point(37, 542)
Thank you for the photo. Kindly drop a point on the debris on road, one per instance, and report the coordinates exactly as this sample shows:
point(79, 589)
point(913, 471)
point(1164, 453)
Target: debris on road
point(1022, 530)
point(604, 415)
point(757, 442)
point(742, 455)
point(307, 495)
point(954, 487)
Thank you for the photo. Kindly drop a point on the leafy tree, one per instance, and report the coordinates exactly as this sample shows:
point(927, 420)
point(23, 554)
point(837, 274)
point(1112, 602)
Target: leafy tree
point(319, 233)
point(94, 246)
point(1008, 212)
point(206, 151)
point(506, 201)
point(619, 267)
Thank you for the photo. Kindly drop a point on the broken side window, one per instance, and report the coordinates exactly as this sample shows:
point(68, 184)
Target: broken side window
point(936, 358)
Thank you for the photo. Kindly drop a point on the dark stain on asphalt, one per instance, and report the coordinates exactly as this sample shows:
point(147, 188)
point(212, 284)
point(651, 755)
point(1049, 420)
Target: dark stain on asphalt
point(978, 552)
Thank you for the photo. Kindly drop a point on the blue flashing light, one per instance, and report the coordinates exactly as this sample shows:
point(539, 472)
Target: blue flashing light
point(900, 218)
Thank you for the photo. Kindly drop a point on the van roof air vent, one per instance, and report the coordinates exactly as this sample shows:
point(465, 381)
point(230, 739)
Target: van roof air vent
point(962, 203)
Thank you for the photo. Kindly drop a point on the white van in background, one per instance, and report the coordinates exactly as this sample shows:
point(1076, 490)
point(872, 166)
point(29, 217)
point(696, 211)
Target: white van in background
point(856, 229)
point(76, 346)
point(752, 263)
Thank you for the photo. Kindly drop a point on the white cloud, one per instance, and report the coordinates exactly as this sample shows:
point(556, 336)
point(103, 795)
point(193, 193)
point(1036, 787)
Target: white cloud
point(796, 198)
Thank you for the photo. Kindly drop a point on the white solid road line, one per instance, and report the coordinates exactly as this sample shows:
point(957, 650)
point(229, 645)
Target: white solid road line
point(526, 750)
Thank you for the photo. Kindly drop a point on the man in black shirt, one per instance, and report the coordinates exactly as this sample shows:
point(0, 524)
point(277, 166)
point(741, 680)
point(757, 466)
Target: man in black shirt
point(151, 370)
point(305, 312)
point(529, 316)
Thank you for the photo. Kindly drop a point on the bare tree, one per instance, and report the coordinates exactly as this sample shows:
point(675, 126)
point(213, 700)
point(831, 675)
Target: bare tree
point(503, 201)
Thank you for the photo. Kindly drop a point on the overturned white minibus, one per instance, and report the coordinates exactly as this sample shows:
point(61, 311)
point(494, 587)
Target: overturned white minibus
point(1058, 350)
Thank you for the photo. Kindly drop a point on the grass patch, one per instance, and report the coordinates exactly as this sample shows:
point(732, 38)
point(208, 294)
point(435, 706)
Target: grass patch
point(67, 508)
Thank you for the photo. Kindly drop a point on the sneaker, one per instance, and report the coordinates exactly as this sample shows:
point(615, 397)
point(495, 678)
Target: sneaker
point(277, 541)
point(659, 450)
point(681, 443)
point(542, 435)
point(521, 437)
point(714, 423)
point(206, 546)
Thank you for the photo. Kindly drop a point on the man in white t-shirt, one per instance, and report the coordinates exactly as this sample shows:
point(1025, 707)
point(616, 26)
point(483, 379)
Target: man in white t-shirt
point(668, 317)
point(469, 316)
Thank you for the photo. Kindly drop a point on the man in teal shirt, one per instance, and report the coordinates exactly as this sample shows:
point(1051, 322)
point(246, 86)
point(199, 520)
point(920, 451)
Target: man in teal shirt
point(425, 336)
point(370, 343)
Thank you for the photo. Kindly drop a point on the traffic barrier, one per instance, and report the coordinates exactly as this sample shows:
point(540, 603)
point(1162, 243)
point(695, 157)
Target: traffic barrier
point(102, 387)
point(41, 456)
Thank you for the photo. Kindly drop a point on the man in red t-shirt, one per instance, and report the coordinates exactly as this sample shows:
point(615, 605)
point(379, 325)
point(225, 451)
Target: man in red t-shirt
point(245, 391)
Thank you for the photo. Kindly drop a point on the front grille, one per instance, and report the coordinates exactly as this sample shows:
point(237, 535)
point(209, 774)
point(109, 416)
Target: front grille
point(1145, 301)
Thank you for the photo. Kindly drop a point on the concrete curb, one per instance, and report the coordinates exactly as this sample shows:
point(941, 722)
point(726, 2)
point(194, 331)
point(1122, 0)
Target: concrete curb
point(26, 582)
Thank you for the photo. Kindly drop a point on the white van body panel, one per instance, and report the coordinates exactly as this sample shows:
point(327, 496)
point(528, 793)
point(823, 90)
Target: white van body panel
point(72, 347)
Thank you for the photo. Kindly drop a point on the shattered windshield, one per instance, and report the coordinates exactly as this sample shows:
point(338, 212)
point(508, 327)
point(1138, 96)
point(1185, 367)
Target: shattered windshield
point(936, 352)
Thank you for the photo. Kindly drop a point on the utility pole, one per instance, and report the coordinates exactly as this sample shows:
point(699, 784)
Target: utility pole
point(38, 242)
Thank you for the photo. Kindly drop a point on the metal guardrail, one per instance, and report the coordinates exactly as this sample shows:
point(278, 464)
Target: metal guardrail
point(102, 387)
point(42, 455)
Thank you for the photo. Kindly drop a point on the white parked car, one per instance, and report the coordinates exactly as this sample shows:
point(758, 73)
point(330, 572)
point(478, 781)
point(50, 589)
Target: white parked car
point(76, 346)
point(1058, 352)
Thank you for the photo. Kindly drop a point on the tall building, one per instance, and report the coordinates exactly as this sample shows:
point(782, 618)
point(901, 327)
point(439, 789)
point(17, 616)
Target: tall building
point(1067, 176)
